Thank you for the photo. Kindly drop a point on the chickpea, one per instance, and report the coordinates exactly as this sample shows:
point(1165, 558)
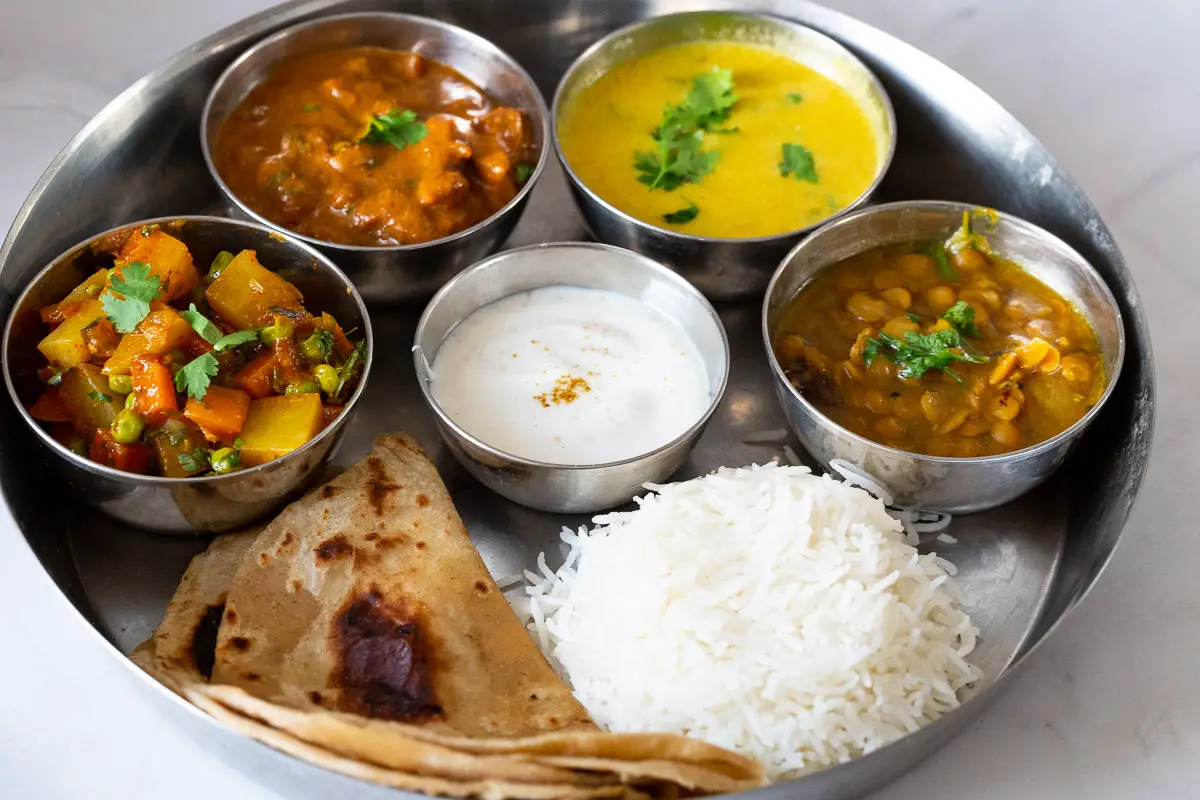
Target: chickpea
point(887, 279)
point(955, 422)
point(967, 448)
point(975, 427)
point(939, 325)
point(1006, 434)
point(898, 297)
point(940, 448)
point(860, 342)
point(969, 259)
point(1043, 328)
point(1006, 405)
point(867, 308)
point(851, 282)
point(915, 265)
point(933, 406)
point(940, 298)
point(1051, 362)
point(818, 359)
point(790, 347)
point(1032, 352)
point(898, 326)
point(981, 298)
point(850, 370)
point(882, 370)
point(1075, 369)
point(1004, 366)
point(875, 402)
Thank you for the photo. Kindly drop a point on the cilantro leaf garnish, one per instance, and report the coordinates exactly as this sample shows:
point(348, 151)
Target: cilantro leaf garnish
point(100, 397)
point(795, 98)
point(236, 339)
point(194, 461)
point(55, 378)
point(679, 158)
point(201, 324)
point(798, 162)
point(397, 128)
point(131, 291)
point(196, 375)
point(347, 370)
point(683, 215)
point(918, 353)
point(913, 316)
point(937, 252)
point(322, 341)
point(522, 172)
point(962, 316)
point(309, 107)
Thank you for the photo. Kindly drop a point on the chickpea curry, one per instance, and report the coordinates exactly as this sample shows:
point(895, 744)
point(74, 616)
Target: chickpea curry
point(373, 147)
point(156, 370)
point(944, 349)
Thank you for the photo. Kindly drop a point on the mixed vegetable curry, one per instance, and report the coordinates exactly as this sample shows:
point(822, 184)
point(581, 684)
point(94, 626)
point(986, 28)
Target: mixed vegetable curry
point(375, 147)
point(945, 350)
point(157, 370)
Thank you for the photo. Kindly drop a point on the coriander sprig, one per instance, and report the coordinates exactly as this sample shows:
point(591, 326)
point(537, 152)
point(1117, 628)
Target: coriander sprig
point(397, 128)
point(917, 353)
point(131, 291)
point(680, 136)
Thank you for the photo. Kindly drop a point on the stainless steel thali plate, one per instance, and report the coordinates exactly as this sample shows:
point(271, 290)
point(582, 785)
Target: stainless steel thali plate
point(1024, 565)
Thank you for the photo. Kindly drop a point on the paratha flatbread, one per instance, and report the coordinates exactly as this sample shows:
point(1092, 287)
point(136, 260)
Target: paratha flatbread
point(367, 596)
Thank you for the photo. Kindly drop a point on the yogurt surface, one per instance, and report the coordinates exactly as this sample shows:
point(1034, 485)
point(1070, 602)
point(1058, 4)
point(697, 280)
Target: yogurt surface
point(569, 375)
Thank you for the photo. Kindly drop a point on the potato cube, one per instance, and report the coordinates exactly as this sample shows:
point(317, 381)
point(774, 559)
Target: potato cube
point(86, 395)
point(65, 345)
point(245, 291)
point(159, 333)
point(167, 257)
point(275, 426)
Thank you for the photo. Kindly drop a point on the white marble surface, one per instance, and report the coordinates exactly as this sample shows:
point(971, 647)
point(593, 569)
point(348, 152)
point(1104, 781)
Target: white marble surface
point(1108, 709)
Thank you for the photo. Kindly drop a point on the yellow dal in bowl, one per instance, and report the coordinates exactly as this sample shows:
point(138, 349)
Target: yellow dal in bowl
point(602, 127)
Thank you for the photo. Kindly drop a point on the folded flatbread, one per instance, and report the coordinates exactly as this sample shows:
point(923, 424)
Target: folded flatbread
point(367, 596)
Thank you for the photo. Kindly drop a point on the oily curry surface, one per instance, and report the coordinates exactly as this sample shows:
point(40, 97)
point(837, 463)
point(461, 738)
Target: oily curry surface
point(942, 353)
point(311, 148)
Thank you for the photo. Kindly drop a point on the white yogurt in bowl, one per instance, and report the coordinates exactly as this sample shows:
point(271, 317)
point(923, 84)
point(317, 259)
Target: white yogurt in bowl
point(571, 375)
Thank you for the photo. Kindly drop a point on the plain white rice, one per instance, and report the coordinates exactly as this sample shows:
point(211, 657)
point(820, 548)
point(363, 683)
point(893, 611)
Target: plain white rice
point(767, 610)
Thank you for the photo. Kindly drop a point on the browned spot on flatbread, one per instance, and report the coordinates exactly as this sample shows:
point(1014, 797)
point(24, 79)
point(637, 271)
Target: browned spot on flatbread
point(421, 545)
point(378, 486)
point(481, 587)
point(239, 643)
point(253, 676)
point(324, 513)
point(416, 524)
point(315, 697)
point(384, 660)
point(295, 584)
point(203, 648)
point(328, 491)
point(231, 616)
point(422, 500)
point(334, 548)
point(372, 536)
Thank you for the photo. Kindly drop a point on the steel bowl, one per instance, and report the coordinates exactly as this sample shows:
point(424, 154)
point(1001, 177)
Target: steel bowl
point(722, 268)
point(558, 487)
point(390, 274)
point(212, 503)
point(955, 485)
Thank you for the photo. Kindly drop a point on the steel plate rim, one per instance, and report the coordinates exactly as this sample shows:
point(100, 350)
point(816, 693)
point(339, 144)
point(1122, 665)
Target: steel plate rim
point(690, 238)
point(295, 10)
point(509, 207)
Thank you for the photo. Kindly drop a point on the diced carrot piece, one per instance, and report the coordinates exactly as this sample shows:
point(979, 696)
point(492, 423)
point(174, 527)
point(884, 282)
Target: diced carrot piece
point(49, 407)
point(126, 457)
point(159, 333)
point(153, 387)
point(221, 414)
point(256, 377)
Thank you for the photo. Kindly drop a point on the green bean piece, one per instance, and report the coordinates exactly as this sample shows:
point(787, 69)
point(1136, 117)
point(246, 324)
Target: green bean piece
point(120, 384)
point(127, 427)
point(219, 263)
point(302, 387)
point(281, 329)
point(327, 379)
point(225, 460)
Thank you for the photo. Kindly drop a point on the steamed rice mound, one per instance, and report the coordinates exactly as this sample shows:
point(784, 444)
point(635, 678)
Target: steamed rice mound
point(766, 610)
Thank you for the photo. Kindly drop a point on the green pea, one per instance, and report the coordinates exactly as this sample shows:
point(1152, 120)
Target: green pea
point(130, 399)
point(127, 427)
point(327, 378)
point(312, 347)
point(282, 329)
point(120, 384)
point(302, 387)
point(78, 446)
point(225, 460)
point(219, 263)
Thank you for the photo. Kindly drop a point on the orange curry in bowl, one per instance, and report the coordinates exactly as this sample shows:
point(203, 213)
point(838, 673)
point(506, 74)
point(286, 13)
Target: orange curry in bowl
point(374, 147)
point(942, 349)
